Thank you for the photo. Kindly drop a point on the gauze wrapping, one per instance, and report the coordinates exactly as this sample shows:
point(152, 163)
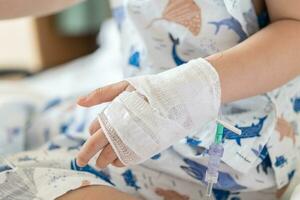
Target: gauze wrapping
point(164, 109)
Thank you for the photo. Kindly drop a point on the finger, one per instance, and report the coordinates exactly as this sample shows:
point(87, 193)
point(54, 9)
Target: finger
point(118, 163)
point(93, 145)
point(106, 157)
point(103, 94)
point(95, 125)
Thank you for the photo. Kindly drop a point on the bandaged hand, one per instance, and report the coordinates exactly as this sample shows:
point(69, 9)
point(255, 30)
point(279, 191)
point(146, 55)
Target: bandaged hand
point(148, 114)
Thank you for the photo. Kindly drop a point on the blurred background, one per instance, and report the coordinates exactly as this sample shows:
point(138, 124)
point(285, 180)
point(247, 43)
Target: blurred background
point(45, 64)
point(30, 45)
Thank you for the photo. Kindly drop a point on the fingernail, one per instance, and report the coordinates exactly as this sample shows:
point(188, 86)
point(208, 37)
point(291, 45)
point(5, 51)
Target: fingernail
point(79, 163)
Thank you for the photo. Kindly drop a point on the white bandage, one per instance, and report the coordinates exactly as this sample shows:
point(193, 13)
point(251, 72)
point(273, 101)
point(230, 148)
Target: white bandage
point(164, 109)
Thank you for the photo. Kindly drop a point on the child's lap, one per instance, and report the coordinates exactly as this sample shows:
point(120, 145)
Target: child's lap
point(54, 172)
point(96, 192)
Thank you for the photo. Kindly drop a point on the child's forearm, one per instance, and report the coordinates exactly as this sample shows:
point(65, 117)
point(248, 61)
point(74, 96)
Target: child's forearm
point(263, 62)
point(20, 8)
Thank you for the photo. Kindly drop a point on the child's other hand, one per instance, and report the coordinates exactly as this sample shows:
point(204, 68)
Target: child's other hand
point(98, 141)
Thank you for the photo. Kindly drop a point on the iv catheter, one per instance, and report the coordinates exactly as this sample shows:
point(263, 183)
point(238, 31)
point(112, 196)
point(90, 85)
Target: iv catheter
point(215, 153)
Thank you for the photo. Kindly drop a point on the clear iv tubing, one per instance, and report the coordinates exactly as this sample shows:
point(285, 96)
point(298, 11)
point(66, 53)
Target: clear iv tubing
point(215, 153)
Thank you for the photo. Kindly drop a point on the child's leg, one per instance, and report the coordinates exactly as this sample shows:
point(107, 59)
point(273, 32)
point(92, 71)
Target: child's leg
point(95, 192)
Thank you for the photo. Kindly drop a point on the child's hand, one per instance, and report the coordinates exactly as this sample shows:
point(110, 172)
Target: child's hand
point(150, 113)
point(98, 141)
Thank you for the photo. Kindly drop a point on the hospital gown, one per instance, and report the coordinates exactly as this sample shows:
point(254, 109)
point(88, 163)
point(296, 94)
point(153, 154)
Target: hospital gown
point(156, 36)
